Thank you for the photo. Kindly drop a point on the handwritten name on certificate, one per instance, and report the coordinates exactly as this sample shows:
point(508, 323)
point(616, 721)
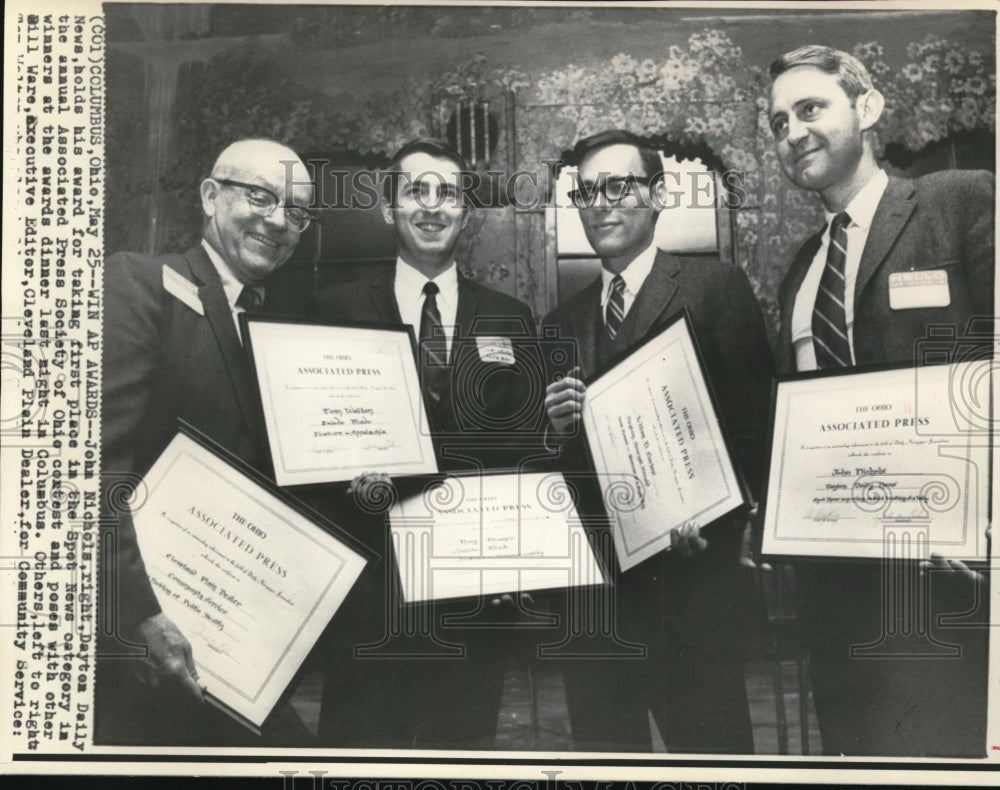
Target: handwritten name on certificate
point(491, 534)
point(657, 446)
point(248, 580)
point(875, 462)
point(339, 401)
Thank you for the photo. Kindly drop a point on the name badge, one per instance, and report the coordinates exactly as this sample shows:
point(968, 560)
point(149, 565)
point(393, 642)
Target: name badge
point(495, 349)
point(182, 288)
point(928, 288)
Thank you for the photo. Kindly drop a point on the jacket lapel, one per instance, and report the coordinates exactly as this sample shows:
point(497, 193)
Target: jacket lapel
point(220, 319)
point(786, 299)
point(890, 217)
point(468, 307)
point(653, 300)
point(797, 272)
point(584, 325)
point(383, 300)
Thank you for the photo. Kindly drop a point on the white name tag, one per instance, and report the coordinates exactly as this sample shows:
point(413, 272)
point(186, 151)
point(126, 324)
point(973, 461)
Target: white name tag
point(928, 288)
point(182, 288)
point(496, 349)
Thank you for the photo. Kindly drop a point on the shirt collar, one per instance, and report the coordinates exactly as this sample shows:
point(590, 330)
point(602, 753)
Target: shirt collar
point(230, 284)
point(634, 275)
point(410, 281)
point(862, 207)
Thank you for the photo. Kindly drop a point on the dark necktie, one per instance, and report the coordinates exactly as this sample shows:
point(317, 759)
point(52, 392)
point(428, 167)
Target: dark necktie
point(250, 300)
point(433, 347)
point(614, 313)
point(829, 322)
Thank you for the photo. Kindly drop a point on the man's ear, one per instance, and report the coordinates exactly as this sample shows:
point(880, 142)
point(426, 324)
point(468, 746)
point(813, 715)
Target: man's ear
point(466, 213)
point(870, 105)
point(659, 192)
point(209, 194)
point(386, 209)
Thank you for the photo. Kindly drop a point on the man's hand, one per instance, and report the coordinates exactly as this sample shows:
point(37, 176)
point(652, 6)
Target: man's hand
point(687, 540)
point(746, 546)
point(373, 492)
point(507, 599)
point(956, 569)
point(564, 403)
point(169, 661)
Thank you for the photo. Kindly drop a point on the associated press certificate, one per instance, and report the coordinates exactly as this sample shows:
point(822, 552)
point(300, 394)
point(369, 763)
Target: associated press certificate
point(339, 400)
point(491, 534)
point(247, 578)
point(866, 461)
point(657, 445)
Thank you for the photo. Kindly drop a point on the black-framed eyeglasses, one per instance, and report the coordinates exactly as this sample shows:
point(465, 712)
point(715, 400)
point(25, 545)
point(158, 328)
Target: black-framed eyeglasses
point(263, 202)
point(614, 189)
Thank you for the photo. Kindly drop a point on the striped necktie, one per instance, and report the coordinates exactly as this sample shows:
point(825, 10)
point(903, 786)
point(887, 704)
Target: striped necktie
point(829, 323)
point(433, 346)
point(614, 313)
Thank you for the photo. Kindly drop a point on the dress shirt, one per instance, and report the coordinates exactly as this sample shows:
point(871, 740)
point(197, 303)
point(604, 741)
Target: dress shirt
point(635, 275)
point(861, 210)
point(230, 284)
point(409, 290)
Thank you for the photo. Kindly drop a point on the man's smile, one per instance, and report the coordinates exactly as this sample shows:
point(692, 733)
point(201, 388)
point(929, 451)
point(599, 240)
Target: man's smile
point(800, 156)
point(428, 226)
point(264, 240)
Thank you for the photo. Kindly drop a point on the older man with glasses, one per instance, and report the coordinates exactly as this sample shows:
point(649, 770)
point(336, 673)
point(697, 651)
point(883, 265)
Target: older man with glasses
point(172, 351)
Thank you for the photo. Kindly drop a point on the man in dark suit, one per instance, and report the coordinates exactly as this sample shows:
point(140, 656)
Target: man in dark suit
point(842, 304)
point(482, 391)
point(172, 351)
point(687, 605)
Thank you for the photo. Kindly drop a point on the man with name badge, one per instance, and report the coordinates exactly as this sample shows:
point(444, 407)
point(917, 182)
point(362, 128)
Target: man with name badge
point(686, 605)
point(172, 350)
point(895, 257)
point(479, 391)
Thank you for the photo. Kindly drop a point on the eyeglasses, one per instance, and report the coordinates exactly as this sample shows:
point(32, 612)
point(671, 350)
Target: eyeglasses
point(614, 190)
point(263, 202)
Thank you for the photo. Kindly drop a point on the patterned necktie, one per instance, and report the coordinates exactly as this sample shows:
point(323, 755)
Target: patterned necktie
point(829, 323)
point(250, 300)
point(433, 348)
point(614, 313)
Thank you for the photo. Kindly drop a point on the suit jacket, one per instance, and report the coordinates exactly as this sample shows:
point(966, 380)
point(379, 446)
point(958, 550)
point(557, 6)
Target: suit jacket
point(490, 417)
point(900, 707)
point(729, 329)
point(492, 413)
point(163, 360)
point(943, 221)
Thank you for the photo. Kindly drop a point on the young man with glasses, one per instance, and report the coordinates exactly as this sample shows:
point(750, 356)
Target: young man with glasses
point(482, 394)
point(686, 606)
point(172, 351)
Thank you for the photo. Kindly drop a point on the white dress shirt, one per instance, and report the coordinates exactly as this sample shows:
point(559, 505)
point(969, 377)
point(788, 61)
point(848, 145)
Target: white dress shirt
point(409, 290)
point(230, 284)
point(861, 210)
point(635, 275)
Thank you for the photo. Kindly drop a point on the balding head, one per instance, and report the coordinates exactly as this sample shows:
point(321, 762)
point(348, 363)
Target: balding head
point(244, 157)
point(234, 198)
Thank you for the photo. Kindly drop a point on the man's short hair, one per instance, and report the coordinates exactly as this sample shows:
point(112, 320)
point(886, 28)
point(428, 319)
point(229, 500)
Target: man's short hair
point(432, 146)
point(650, 157)
point(851, 73)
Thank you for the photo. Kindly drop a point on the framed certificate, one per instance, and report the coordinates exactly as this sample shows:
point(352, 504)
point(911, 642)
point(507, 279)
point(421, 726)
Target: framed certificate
point(488, 534)
point(880, 463)
point(659, 449)
point(339, 400)
point(248, 575)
